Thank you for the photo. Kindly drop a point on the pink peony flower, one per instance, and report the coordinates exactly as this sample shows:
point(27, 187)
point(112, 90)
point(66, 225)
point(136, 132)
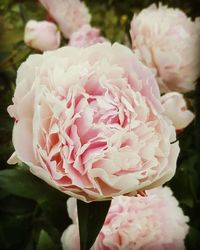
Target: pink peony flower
point(153, 222)
point(70, 15)
point(41, 35)
point(176, 110)
point(89, 122)
point(168, 42)
point(86, 36)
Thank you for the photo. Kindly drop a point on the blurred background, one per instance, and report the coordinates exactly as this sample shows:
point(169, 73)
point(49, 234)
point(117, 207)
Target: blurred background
point(32, 213)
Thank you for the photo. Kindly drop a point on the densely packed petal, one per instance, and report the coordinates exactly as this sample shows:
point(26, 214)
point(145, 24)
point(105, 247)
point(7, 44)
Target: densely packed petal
point(89, 121)
point(153, 222)
point(168, 42)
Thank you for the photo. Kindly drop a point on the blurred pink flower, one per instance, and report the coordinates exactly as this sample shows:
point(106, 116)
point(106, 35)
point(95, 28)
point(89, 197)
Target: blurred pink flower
point(176, 110)
point(89, 122)
point(153, 222)
point(70, 15)
point(41, 35)
point(168, 42)
point(86, 36)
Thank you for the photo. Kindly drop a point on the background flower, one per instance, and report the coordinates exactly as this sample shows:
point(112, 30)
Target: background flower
point(152, 222)
point(168, 42)
point(70, 15)
point(86, 36)
point(176, 110)
point(41, 35)
point(89, 122)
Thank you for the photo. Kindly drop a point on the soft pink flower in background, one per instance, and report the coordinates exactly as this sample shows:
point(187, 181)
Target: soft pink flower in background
point(153, 222)
point(89, 122)
point(168, 42)
point(70, 15)
point(176, 110)
point(86, 36)
point(41, 35)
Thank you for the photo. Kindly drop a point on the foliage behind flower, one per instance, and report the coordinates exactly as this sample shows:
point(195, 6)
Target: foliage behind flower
point(153, 222)
point(89, 122)
point(70, 15)
point(168, 42)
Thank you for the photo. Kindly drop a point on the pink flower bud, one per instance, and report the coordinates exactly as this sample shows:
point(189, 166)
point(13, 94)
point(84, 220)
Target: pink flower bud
point(42, 35)
point(176, 110)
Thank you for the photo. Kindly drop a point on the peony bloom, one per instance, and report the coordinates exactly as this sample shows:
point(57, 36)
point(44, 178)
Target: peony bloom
point(41, 35)
point(89, 122)
point(70, 15)
point(168, 42)
point(86, 36)
point(176, 110)
point(153, 222)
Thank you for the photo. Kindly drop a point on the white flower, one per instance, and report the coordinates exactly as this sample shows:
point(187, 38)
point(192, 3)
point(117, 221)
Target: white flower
point(168, 42)
point(153, 222)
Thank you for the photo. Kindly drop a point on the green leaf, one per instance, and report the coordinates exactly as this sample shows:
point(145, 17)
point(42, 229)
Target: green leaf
point(45, 242)
point(14, 229)
point(21, 182)
point(91, 217)
point(3, 193)
point(16, 205)
point(193, 239)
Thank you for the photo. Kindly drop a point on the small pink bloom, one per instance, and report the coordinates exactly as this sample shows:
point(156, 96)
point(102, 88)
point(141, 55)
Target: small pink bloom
point(86, 36)
point(176, 110)
point(41, 35)
point(168, 42)
point(90, 122)
point(152, 222)
point(70, 15)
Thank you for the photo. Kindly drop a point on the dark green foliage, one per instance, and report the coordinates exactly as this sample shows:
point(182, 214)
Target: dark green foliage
point(32, 214)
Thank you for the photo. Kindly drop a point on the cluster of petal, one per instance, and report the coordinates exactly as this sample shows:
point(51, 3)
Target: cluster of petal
point(86, 36)
point(168, 42)
point(41, 35)
point(152, 222)
point(70, 15)
point(89, 122)
point(176, 110)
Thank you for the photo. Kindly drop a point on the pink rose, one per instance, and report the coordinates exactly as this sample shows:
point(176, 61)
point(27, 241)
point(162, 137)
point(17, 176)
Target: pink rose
point(176, 110)
point(86, 36)
point(41, 35)
point(70, 15)
point(89, 122)
point(168, 42)
point(153, 222)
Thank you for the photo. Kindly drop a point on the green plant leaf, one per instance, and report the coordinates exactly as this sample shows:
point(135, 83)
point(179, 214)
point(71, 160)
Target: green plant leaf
point(193, 239)
point(19, 181)
point(45, 242)
point(91, 217)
